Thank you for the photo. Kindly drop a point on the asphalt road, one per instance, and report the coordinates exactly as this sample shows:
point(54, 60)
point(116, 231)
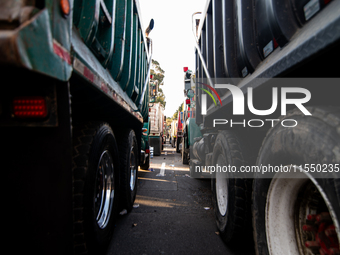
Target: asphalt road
point(173, 214)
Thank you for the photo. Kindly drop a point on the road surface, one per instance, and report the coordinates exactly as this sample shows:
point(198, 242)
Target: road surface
point(173, 214)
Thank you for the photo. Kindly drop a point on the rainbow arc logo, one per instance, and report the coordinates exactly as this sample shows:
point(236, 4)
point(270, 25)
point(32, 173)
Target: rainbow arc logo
point(208, 92)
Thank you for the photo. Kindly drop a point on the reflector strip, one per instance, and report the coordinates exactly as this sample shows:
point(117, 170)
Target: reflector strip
point(61, 52)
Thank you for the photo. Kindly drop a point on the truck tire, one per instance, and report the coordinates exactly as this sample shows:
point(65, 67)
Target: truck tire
point(146, 164)
point(185, 159)
point(285, 205)
point(95, 178)
point(128, 149)
point(185, 156)
point(162, 144)
point(231, 196)
point(178, 141)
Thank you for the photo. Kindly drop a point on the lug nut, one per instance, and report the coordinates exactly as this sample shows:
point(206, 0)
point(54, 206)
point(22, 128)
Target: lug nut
point(311, 217)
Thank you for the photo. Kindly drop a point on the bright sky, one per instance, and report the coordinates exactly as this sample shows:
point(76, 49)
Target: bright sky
point(173, 43)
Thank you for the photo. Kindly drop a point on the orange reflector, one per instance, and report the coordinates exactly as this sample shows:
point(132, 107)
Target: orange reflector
point(29, 107)
point(65, 7)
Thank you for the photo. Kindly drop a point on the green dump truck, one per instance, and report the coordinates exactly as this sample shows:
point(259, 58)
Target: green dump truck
point(73, 102)
point(267, 104)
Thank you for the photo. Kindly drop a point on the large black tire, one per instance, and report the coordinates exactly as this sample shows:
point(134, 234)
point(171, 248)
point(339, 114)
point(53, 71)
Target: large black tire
point(128, 154)
point(185, 158)
point(146, 164)
point(95, 169)
point(162, 144)
point(232, 218)
point(185, 155)
point(316, 139)
point(178, 141)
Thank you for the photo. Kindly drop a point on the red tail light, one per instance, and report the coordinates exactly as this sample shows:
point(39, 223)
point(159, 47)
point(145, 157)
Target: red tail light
point(147, 151)
point(29, 107)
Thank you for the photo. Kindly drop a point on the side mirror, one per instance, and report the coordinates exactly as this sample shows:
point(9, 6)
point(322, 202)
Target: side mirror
point(190, 93)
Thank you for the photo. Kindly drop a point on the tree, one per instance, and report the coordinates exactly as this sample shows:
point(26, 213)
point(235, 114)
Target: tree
point(157, 78)
point(168, 121)
point(175, 116)
point(180, 108)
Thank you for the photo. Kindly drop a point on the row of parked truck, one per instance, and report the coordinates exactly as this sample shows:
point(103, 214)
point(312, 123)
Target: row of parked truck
point(74, 120)
point(266, 123)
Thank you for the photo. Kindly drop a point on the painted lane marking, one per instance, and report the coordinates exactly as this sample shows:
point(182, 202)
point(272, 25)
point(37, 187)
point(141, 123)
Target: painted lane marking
point(162, 171)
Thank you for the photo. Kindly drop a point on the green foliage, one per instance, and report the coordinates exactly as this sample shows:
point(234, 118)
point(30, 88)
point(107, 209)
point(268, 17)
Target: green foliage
point(157, 66)
point(168, 121)
point(158, 77)
point(180, 109)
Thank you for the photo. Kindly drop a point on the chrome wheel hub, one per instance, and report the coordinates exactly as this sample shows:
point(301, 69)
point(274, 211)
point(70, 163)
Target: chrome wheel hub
point(104, 189)
point(133, 170)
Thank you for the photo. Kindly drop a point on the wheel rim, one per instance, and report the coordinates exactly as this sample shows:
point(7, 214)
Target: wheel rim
point(133, 169)
point(290, 201)
point(104, 189)
point(221, 189)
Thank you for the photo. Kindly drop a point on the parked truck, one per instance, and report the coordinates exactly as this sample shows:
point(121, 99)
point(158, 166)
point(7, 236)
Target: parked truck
point(173, 133)
point(267, 104)
point(179, 130)
point(156, 128)
point(190, 129)
point(73, 101)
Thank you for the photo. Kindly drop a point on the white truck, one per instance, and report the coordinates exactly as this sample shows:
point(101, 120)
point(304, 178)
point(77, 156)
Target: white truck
point(173, 133)
point(156, 115)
